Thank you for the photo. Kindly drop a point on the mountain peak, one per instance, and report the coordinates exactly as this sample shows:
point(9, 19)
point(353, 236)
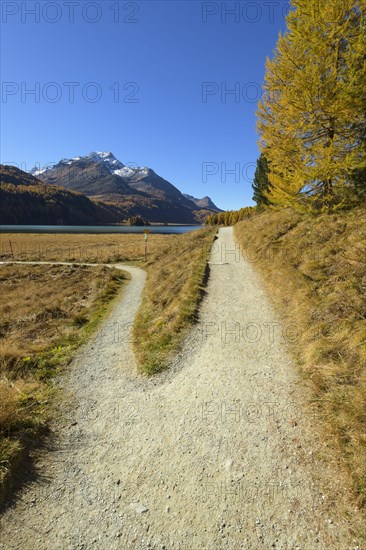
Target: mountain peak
point(107, 158)
point(140, 190)
point(205, 202)
point(102, 155)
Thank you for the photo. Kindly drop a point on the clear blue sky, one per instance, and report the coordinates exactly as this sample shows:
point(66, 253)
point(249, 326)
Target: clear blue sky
point(147, 80)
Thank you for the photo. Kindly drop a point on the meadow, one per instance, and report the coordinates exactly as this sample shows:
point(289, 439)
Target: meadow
point(48, 311)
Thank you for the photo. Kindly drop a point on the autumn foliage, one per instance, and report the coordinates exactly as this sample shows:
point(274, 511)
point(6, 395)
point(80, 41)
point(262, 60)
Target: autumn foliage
point(230, 217)
point(312, 117)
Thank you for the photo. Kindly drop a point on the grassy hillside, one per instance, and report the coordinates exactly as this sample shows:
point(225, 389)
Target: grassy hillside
point(315, 271)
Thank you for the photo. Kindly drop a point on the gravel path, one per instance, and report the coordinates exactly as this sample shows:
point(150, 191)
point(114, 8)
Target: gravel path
point(217, 453)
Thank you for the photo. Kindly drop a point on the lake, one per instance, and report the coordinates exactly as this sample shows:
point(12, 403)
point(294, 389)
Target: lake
point(168, 229)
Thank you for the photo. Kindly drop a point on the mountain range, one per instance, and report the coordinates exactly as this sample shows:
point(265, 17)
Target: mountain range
point(26, 200)
point(136, 191)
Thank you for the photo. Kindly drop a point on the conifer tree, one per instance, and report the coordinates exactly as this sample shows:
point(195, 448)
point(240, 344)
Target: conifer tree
point(261, 182)
point(312, 116)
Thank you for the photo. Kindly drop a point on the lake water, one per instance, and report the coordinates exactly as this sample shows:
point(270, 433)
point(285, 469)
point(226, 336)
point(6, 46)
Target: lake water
point(97, 228)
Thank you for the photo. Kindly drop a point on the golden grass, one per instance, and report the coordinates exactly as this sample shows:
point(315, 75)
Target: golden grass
point(175, 277)
point(315, 270)
point(46, 312)
point(79, 247)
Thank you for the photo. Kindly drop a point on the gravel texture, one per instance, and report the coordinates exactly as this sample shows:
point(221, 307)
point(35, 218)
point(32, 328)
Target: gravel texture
point(220, 452)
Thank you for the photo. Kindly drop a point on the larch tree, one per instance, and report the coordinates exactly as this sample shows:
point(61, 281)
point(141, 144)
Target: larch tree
point(312, 116)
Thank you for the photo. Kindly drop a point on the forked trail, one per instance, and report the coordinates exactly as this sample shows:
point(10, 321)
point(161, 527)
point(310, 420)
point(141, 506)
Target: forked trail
point(219, 452)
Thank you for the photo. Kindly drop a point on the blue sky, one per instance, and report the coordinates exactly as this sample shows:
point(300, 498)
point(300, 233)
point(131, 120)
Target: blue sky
point(149, 81)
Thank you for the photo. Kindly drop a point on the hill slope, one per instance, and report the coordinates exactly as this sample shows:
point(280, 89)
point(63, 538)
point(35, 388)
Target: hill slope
point(26, 200)
point(315, 270)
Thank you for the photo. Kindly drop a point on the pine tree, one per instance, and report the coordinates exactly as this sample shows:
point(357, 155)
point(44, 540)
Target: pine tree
point(261, 183)
point(312, 115)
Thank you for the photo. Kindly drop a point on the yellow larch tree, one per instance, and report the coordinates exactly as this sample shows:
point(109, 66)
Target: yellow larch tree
point(311, 118)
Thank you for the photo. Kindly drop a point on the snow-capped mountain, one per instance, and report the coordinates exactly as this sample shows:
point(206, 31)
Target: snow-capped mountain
point(101, 176)
point(114, 165)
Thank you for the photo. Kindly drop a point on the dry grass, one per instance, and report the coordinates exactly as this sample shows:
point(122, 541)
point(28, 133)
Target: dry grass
point(46, 313)
point(78, 247)
point(175, 276)
point(315, 270)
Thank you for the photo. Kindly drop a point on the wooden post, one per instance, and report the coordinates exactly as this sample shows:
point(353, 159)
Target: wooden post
point(146, 232)
point(11, 249)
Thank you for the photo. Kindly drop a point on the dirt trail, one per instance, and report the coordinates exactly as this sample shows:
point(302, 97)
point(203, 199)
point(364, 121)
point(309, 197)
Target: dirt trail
point(217, 453)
